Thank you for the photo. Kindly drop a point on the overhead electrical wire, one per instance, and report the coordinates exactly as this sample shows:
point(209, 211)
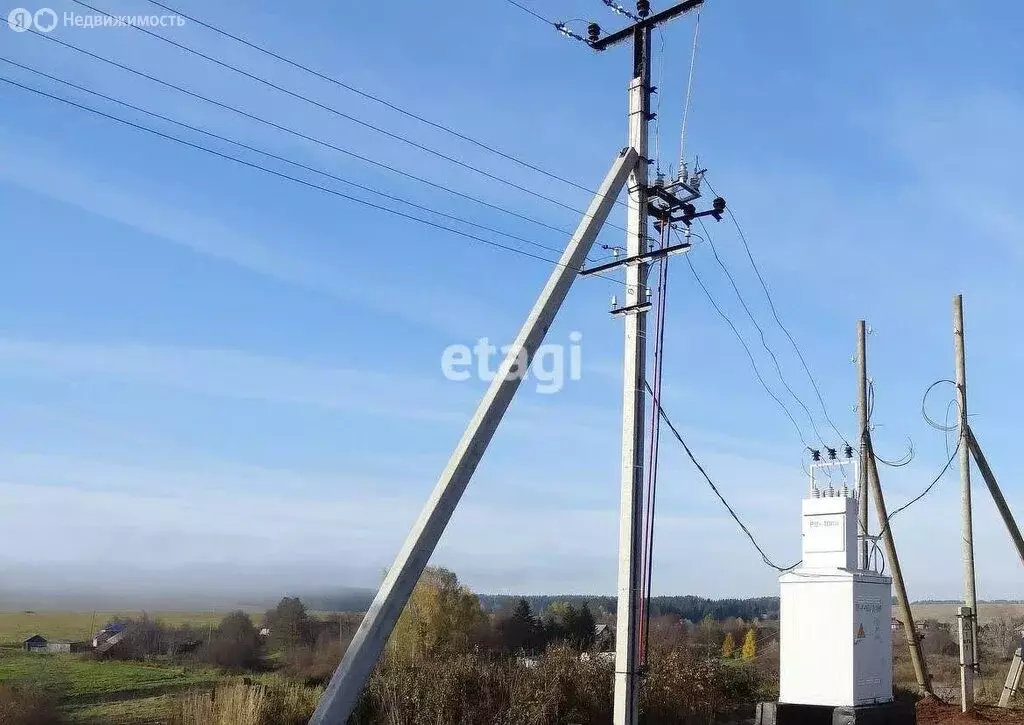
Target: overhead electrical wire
point(750, 355)
point(283, 159)
point(376, 99)
point(559, 26)
point(689, 92)
point(775, 314)
point(760, 330)
point(294, 179)
point(714, 488)
point(949, 462)
point(346, 116)
point(653, 458)
point(303, 136)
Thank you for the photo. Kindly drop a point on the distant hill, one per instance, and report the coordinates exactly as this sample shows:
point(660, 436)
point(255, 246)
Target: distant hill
point(349, 600)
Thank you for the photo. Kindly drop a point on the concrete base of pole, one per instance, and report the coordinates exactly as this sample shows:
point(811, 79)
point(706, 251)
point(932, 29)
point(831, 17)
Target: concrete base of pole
point(898, 712)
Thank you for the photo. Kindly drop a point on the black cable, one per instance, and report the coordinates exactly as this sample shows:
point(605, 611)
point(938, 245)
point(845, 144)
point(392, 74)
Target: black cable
point(283, 159)
point(294, 179)
point(909, 455)
point(346, 116)
point(303, 136)
point(945, 468)
point(693, 459)
point(376, 99)
point(560, 27)
point(775, 314)
point(746, 348)
point(530, 12)
point(760, 330)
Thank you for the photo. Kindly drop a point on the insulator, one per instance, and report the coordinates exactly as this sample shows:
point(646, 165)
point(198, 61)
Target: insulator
point(831, 453)
point(684, 173)
point(643, 8)
point(615, 301)
point(593, 32)
point(848, 450)
point(659, 180)
point(815, 455)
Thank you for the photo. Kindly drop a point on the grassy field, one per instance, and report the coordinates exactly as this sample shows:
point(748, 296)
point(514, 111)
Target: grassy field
point(105, 691)
point(16, 626)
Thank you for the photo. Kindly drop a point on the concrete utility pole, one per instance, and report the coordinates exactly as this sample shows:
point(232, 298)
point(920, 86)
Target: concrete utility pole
point(630, 578)
point(862, 416)
point(967, 526)
point(348, 680)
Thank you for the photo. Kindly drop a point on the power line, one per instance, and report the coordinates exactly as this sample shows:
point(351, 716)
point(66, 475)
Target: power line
point(301, 135)
point(281, 175)
point(714, 488)
point(346, 116)
point(760, 330)
point(945, 468)
point(750, 355)
point(376, 99)
point(530, 12)
point(559, 26)
point(775, 314)
point(283, 159)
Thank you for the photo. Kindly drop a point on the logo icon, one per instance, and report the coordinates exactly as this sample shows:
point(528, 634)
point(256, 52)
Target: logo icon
point(20, 20)
point(45, 19)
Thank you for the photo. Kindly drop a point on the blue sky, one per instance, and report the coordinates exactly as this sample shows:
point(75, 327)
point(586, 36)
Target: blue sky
point(216, 378)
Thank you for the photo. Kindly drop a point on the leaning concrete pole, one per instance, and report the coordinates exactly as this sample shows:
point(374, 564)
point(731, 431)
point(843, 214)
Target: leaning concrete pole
point(348, 680)
point(997, 494)
point(902, 600)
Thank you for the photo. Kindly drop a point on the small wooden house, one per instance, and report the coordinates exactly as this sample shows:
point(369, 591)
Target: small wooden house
point(35, 643)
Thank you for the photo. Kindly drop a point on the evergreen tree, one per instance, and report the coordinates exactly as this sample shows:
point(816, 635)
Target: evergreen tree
point(749, 646)
point(728, 646)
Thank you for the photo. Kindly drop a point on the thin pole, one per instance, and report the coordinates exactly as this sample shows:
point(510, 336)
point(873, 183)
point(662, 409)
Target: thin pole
point(967, 526)
point(630, 577)
point(862, 411)
point(348, 680)
point(997, 494)
point(902, 600)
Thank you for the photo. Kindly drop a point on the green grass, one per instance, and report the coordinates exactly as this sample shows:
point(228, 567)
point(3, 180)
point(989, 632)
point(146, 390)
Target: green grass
point(106, 691)
point(15, 627)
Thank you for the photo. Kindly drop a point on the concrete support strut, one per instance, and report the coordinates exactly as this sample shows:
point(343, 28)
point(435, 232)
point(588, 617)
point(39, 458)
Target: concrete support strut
point(902, 600)
point(348, 680)
point(997, 494)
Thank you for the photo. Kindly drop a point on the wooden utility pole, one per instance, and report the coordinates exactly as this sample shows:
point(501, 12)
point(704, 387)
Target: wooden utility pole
point(967, 526)
point(862, 415)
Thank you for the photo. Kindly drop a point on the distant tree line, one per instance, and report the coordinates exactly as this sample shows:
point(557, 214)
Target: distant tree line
point(686, 607)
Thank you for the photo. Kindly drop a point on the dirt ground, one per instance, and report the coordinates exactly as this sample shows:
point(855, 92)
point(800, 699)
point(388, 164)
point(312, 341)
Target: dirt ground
point(936, 712)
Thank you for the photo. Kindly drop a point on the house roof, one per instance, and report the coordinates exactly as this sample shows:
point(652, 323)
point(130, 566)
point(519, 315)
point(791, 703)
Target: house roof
point(35, 638)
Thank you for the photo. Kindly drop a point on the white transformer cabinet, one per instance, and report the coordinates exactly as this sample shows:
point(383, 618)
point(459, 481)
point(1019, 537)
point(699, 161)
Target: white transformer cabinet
point(836, 639)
